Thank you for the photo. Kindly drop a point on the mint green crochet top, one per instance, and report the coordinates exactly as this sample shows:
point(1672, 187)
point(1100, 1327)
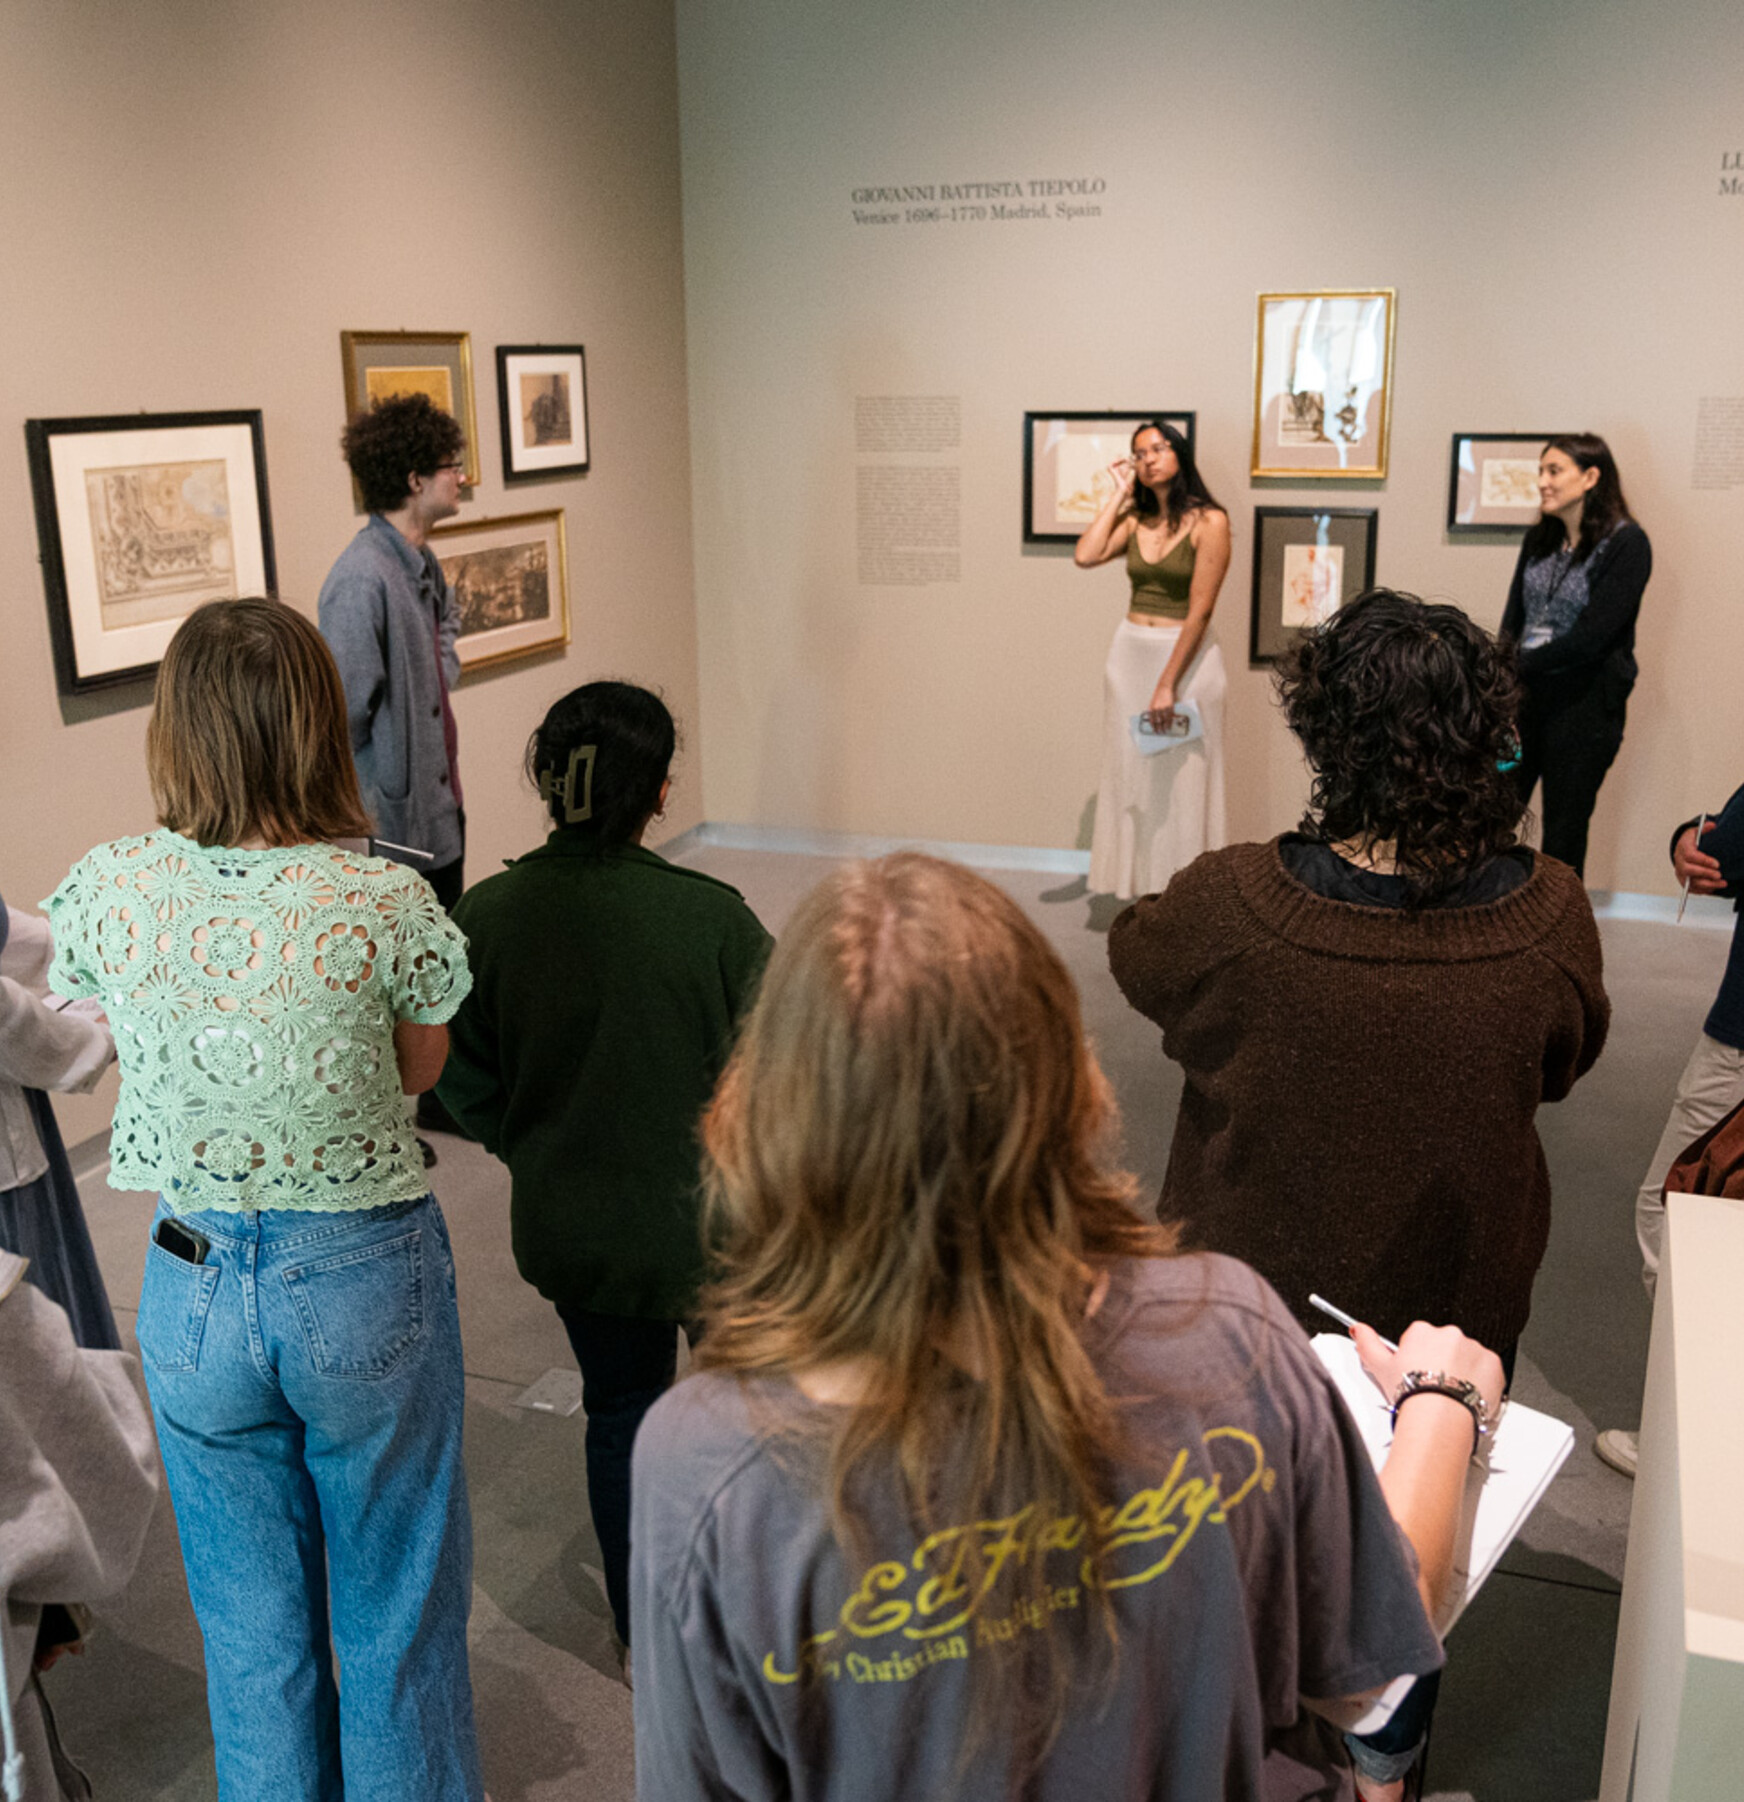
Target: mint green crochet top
point(253, 997)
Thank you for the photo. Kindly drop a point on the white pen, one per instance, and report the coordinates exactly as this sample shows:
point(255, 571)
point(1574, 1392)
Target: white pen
point(1343, 1319)
point(1683, 900)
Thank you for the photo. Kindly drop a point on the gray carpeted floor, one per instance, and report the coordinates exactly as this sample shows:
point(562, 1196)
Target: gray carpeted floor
point(1523, 1705)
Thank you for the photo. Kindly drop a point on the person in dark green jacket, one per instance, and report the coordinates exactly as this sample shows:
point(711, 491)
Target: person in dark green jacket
point(607, 984)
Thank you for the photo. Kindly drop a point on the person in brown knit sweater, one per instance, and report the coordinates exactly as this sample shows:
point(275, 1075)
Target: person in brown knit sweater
point(1370, 1010)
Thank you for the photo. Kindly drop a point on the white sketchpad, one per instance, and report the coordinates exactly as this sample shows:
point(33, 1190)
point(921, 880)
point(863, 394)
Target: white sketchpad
point(1507, 1479)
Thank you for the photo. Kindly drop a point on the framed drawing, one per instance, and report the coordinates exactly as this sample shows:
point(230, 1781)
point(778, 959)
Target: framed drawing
point(542, 402)
point(1307, 563)
point(1323, 383)
point(511, 579)
point(379, 365)
point(140, 518)
point(1492, 485)
point(1065, 466)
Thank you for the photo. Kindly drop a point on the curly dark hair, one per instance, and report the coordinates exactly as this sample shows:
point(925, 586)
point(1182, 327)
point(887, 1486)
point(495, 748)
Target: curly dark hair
point(395, 440)
point(632, 737)
point(1405, 711)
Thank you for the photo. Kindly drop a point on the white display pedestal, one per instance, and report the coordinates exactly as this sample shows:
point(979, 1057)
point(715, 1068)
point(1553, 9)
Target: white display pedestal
point(1676, 1726)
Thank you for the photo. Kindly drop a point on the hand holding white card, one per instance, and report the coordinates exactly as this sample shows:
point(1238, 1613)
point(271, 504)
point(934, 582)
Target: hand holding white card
point(1187, 727)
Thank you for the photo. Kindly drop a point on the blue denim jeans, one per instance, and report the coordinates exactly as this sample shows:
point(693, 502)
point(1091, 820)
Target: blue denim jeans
point(306, 1380)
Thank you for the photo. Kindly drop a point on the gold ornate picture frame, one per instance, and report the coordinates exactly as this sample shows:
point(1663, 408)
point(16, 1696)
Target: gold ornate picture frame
point(510, 577)
point(379, 365)
point(1323, 383)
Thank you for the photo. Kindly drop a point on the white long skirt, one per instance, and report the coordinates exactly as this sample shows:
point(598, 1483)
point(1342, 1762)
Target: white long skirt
point(1154, 815)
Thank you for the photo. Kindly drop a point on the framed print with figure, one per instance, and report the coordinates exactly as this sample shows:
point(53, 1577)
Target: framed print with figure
point(140, 518)
point(542, 404)
point(1323, 383)
point(380, 365)
point(1492, 484)
point(1307, 563)
point(1066, 481)
point(510, 578)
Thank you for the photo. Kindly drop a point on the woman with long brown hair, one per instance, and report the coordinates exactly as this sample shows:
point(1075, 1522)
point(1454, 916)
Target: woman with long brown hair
point(979, 1491)
point(1571, 614)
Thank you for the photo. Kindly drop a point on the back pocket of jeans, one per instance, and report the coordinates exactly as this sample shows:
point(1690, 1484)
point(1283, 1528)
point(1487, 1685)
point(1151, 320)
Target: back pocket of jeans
point(361, 1310)
point(174, 1301)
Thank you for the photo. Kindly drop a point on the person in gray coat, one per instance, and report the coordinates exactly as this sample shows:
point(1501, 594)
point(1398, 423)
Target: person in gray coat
point(391, 620)
point(78, 1482)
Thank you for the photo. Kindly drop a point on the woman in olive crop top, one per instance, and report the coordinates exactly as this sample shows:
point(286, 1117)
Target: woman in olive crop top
point(1155, 813)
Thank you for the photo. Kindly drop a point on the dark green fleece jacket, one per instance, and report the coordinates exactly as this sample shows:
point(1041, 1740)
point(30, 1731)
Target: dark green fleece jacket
point(606, 987)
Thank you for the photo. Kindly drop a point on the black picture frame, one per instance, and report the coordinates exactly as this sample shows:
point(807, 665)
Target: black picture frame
point(1044, 521)
point(1468, 512)
point(564, 368)
point(1352, 531)
point(110, 616)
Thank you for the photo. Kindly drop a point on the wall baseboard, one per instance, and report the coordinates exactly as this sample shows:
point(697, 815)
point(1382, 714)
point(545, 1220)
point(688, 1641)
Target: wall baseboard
point(1711, 911)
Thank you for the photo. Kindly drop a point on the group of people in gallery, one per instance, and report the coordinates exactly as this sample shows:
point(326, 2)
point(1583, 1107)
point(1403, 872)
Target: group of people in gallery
point(982, 1483)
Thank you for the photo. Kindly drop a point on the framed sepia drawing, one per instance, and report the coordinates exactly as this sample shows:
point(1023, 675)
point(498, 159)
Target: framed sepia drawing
point(510, 577)
point(1307, 563)
point(141, 517)
point(1066, 480)
point(379, 365)
point(542, 403)
point(1323, 383)
point(1492, 485)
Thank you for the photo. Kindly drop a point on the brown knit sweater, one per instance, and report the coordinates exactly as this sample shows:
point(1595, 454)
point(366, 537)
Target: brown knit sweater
point(1361, 1081)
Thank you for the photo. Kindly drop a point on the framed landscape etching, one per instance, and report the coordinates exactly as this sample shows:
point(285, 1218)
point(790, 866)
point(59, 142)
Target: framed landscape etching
point(510, 577)
point(542, 403)
point(1307, 563)
point(1065, 466)
point(1323, 383)
point(1492, 485)
point(141, 517)
point(380, 365)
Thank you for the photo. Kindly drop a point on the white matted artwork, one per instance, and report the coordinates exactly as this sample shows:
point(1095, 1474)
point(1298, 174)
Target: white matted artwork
point(510, 579)
point(542, 408)
point(1313, 584)
point(141, 518)
point(1323, 380)
point(1492, 485)
point(1067, 466)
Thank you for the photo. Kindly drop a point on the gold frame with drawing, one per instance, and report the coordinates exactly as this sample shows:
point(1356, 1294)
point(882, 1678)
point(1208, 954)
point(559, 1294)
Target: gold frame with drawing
point(1298, 332)
point(490, 642)
point(443, 357)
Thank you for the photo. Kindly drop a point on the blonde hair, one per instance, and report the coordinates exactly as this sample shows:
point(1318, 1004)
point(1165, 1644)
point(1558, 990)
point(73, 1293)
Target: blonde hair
point(906, 1165)
point(248, 734)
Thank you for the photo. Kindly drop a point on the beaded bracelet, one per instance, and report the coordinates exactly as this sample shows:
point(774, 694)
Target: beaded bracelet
point(1458, 1389)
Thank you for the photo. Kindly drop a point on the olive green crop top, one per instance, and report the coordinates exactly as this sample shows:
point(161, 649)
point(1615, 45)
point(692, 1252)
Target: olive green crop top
point(1160, 589)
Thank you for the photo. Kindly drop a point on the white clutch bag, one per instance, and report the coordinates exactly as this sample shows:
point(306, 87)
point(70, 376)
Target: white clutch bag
point(1187, 726)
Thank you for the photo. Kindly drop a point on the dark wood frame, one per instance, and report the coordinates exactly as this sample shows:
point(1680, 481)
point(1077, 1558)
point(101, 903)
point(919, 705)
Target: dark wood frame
point(1464, 529)
point(1186, 419)
point(505, 417)
point(1257, 656)
point(38, 434)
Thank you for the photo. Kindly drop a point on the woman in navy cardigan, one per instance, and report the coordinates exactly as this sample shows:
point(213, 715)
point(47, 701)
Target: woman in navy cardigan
point(1571, 614)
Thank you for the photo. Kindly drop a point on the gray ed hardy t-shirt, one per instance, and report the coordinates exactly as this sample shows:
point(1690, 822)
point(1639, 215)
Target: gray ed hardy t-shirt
point(1251, 1561)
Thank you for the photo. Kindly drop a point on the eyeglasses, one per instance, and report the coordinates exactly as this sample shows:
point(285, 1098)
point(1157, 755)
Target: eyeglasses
point(442, 466)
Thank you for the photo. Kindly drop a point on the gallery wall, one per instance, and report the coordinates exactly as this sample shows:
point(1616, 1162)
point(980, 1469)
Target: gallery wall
point(201, 197)
point(1544, 185)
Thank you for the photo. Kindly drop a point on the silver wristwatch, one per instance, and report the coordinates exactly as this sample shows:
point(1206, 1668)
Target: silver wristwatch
point(1438, 1382)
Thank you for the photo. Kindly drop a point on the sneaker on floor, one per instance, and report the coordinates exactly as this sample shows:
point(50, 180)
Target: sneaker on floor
point(1618, 1449)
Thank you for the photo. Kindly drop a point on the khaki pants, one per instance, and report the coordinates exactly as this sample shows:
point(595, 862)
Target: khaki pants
point(1712, 1085)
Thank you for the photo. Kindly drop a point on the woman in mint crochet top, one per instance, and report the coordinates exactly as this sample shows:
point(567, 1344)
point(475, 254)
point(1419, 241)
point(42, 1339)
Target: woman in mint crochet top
point(272, 995)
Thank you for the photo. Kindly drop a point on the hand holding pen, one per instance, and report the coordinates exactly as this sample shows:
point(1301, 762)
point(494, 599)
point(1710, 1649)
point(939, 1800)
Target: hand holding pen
point(1701, 873)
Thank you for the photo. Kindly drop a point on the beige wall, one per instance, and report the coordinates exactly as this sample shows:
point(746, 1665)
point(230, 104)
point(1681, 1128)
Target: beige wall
point(1540, 183)
point(200, 197)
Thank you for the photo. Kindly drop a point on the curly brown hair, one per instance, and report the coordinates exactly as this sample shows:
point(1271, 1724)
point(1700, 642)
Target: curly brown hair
point(396, 439)
point(1406, 712)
